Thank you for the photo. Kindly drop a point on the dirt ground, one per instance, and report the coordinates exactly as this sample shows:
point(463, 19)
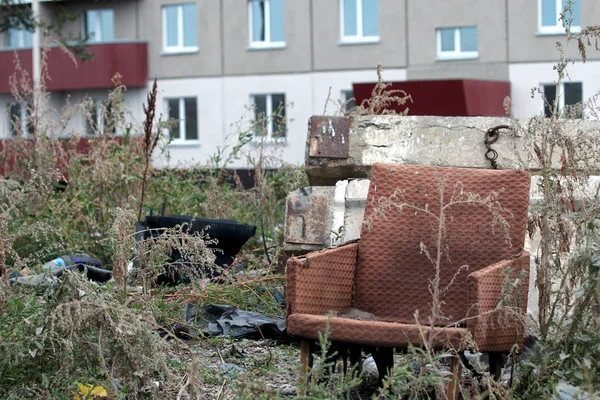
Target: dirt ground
point(226, 365)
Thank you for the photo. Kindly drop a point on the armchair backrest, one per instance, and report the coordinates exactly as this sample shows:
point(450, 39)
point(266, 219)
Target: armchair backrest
point(484, 221)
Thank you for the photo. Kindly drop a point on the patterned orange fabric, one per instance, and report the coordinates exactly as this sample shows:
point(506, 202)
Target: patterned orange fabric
point(397, 252)
point(372, 333)
point(389, 273)
point(499, 293)
point(322, 281)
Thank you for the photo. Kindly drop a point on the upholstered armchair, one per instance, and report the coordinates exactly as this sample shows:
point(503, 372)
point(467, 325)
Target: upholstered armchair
point(440, 255)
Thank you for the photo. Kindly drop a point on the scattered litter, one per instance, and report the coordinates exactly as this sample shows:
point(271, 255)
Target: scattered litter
point(274, 292)
point(69, 260)
point(219, 319)
point(90, 392)
point(243, 274)
point(230, 370)
point(152, 387)
point(55, 268)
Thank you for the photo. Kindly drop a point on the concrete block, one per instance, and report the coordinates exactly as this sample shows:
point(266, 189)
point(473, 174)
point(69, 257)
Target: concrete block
point(356, 197)
point(322, 216)
point(309, 217)
point(440, 141)
point(339, 208)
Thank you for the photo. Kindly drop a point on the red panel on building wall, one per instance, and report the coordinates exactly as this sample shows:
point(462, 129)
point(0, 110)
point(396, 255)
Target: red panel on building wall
point(128, 59)
point(450, 98)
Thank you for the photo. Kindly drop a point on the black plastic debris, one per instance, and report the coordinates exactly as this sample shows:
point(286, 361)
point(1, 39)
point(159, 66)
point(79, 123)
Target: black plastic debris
point(224, 320)
point(230, 236)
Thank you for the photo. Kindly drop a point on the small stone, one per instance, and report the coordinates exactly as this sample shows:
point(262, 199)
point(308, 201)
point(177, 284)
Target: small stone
point(479, 361)
point(566, 391)
point(234, 352)
point(287, 390)
point(230, 370)
point(369, 367)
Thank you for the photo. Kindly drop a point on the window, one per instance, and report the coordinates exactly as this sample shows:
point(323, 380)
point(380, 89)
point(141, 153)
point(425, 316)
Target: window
point(18, 38)
point(457, 43)
point(266, 22)
point(571, 96)
point(184, 111)
point(100, 25)
point(360, 20)
point(348, 99)
point(179, 28)
point(269, 115)
point(549, 14)
point(19, 123)
point(100, 121)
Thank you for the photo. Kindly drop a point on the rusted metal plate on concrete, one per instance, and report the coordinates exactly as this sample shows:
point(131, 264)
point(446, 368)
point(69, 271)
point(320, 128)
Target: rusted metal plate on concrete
point(329, 137)
point(306, 219)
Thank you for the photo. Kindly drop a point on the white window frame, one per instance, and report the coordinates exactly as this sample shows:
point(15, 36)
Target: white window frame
point(21, 32)
point(100, 109)
point(99, 120)
point(359, 37)
point(558, 28)
point(97, 28)
point(561, 99)
point(269, 117)
point(344, 96)
point(23, 119)
point(181, 140)
point(457, 54)
point(180, 48)
point(267, 43)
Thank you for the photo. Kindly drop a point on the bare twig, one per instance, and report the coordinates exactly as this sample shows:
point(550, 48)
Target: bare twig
point(221, 390)
point(266, 344)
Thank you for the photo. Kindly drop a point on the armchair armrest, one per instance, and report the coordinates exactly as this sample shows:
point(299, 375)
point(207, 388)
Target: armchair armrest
point(500, 293)
point(321, 281)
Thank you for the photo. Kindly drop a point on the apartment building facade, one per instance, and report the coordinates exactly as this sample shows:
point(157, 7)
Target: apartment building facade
point(219, 61)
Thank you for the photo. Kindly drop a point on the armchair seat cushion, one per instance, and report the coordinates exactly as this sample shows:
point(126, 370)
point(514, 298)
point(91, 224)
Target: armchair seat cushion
point(371, 333)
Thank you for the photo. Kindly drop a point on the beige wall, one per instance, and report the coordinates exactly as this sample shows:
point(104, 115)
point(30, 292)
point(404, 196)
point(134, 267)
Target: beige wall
point(490, 18)
point(526, 45)
point(330, 55)
point(464, 69)
point(240, 60)
point(404, 24)
point(206, 62)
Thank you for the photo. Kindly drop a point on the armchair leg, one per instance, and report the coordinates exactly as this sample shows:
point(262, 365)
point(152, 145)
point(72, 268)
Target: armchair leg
point(355, 357)
point(384, 359)
point(496, 364)
point(453, 385)
point(306, 349)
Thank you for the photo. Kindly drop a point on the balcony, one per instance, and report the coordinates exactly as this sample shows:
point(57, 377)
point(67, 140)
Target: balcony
point(448, 98)
point(130, 59)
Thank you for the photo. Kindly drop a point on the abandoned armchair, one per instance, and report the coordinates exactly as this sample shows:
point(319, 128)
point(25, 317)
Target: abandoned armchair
point(440, 255)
